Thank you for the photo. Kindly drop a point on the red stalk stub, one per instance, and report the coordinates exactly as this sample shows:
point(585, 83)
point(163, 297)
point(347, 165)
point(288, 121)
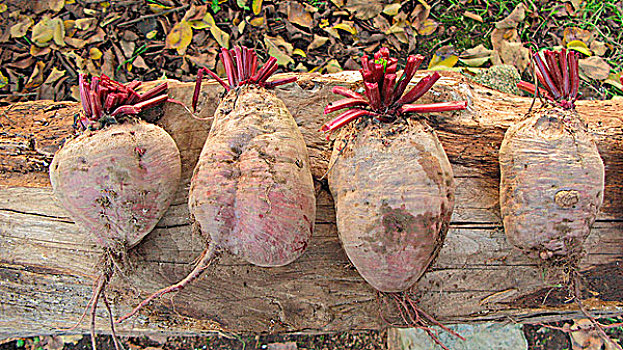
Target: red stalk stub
point(241, 69)
point(383, 90)
point(558, 75)
point(106, 101)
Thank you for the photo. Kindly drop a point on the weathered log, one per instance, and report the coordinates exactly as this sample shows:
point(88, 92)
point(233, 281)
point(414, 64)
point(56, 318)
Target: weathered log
point(47, 265)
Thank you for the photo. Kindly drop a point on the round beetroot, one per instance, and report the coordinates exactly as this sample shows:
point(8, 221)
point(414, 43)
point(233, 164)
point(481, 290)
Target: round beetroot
point(117, 182)
point(118, 177)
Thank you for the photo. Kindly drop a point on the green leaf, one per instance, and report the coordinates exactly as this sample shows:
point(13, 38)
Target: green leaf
point(243, 4)
point(215, 6)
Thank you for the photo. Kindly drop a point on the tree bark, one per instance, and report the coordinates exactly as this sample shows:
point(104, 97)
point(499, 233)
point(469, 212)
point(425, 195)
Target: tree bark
point(47, 265)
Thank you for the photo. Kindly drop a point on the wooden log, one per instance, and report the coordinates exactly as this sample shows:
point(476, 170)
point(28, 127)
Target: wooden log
point(47, 266)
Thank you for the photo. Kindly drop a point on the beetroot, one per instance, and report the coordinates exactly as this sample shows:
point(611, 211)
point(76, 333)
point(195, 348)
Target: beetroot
point(252, 192)
point(552, 177)
point(390, 178)
point(116, 180)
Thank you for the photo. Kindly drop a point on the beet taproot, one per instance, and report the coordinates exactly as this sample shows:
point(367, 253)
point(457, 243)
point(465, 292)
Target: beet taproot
point(391, 181)
point(252, 191)
point(552, 177)
point(119, 176)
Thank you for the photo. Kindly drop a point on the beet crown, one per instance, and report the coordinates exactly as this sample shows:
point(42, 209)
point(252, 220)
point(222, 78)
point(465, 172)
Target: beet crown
point(106, 101)
point(558, 74)
point(241, 69)
point(384, 99)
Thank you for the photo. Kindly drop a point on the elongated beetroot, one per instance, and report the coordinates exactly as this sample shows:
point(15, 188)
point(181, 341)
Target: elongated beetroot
point(391, 179)
point(116, 180)
point(252, 192)
point(552, 177)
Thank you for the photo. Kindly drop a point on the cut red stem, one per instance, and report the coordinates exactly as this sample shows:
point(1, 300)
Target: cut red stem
point(420, 89)
point(345, 103)
point(344, 119)
point(549, 84)
point(434, 107)
point(274, 83)
point(340, 90)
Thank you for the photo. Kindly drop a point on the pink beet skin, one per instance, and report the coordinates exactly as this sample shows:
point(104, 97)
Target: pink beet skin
point(252, 191)
point(117, 182)
point(394, 196)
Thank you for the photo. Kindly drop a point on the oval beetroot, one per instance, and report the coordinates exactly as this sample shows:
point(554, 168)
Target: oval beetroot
point(391, 181)
point(552, 177)
point(394, 195)
point(115, 180)
point(252, 192)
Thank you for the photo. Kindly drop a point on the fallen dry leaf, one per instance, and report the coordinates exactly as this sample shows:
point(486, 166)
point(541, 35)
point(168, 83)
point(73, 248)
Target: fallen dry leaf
point(515, 54)
point(221, 37)
point(473, 16)
point(273, 45)
point(95, 53)
point(445, 57)
point(579, 46)
point(257, 7)
point(179, 37)
point(20, 28)
point(317, 42)
point(594, 67)
point(392, 9)
point(4, 81)
point(36, 78)
point(476, 56)
point(575, 33)
point(428, 27)
point(364, 9)
point(512, 20)
point(346, 26)
point(599, 48)
point(297, 14)
point(333, 66)
point(48, 29)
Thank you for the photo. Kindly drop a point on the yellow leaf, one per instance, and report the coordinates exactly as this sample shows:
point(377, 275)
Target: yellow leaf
point(257, 21)
point(392, 9)
point(428, 27)
point(273, 49)
point(333, 66)
point(613, 79)
point(157, 8)
point(151, 34)
point(346, 26)
point(3, 8)
point(324, 23)
point(59, 32)
point(257, 7)
point(241, 26)
point(43, 32)
point(95, 53)
point(180, 37)
point(56, 5)
point(579, 46)
point(86, 23)
point(89, 12)
point(4, 81)
point(437, 63)
point(20, 28)
point(54, 76)
point(221, 37)
point(299, 52)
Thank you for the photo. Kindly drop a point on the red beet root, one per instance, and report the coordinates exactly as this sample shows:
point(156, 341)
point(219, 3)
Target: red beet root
point(116, 182)
point(252, 192)
point(391, 181)
point(552, 177)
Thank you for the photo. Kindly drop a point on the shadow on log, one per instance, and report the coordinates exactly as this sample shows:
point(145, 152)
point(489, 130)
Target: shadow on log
point(47, 265)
